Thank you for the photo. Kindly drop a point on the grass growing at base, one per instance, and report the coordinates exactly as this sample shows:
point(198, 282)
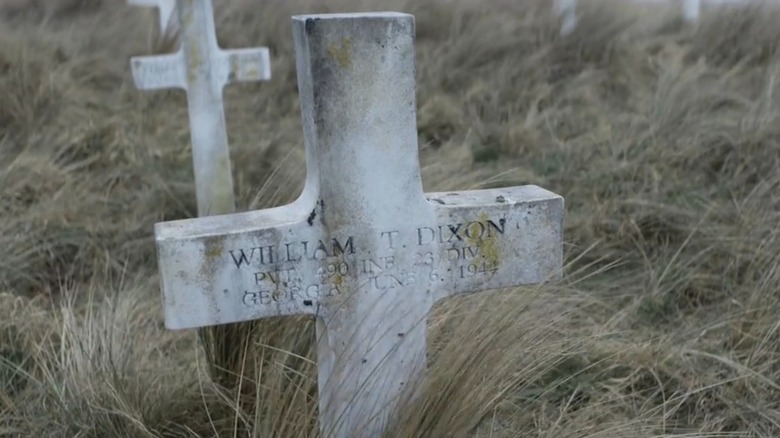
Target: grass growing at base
point(663, 139)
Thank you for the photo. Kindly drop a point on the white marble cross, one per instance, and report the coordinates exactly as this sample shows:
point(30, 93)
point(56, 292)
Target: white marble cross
point(691, 10)
point(165, 9)
point(363, 249)
point(567, 10)
point(203, 69)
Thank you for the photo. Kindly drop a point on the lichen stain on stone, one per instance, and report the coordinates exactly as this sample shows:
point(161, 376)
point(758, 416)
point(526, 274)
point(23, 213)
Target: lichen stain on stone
point(252, 73)
point(213, 249)
point(235, 67)
point(247, 70)
point(342, 53)
point(487, 244)
point(221, 200)
point(338, 281)
point(193, 62)
point(194, 56)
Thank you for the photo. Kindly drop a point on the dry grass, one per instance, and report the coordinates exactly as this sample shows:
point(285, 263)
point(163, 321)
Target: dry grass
point(663, 139)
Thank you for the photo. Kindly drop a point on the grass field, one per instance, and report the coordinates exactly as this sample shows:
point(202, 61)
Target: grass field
point(664, 140)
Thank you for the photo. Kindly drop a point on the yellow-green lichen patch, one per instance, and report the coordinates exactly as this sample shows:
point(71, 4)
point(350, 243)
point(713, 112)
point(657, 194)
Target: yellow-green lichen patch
point(337, 278)
point(213, 248)
point(193, 62)
point(342, 53)
point(487, 242)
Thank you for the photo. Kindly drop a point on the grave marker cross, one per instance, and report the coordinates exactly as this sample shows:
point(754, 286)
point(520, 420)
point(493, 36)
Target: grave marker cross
point(691, 10)
point(567, 9)
point(203, 69)
point(363, 248)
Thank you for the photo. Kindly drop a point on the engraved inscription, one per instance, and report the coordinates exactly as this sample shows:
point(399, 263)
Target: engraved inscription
point(309, 271)
point(313, 292)
point(280, 277)
point(459, 232)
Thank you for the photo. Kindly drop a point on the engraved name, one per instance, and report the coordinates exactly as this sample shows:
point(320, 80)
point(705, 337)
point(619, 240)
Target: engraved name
point(460, 232)
point(292, 252)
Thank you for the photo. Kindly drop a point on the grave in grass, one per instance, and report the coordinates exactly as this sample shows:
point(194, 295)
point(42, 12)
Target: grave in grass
point(363, 249)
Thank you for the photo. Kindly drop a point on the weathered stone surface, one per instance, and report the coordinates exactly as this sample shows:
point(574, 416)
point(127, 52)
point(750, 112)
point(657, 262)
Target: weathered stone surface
point(363, 248)
point(203, 69)
point(466, 242)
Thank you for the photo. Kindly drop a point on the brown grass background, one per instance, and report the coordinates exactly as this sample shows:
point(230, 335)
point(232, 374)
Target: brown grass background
point(663, 138)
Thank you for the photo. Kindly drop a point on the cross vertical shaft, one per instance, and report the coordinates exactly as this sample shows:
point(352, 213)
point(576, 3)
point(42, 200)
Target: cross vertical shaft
point(210, 154)
point(356, 75)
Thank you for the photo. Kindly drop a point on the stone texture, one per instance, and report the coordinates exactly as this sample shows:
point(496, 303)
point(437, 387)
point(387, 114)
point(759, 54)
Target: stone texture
point(364, 249)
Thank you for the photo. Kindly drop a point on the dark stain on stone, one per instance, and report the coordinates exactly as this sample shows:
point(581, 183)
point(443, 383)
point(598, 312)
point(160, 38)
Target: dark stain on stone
point(309, 25)
point(310, 220)
point(307, 302)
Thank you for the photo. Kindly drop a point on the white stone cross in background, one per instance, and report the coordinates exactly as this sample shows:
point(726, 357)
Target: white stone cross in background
point(691, 10)
point(363, 249)
point(203, 69)
point(165, 10)
point(567, 10)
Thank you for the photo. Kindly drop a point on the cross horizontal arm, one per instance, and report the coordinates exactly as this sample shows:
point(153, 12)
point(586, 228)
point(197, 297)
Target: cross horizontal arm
point(282, 261)
point(159, 72)
point(490, 239)
point(245, 65)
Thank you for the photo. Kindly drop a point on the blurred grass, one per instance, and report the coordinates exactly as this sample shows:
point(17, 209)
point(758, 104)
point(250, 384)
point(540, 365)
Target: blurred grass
point(663, 139)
